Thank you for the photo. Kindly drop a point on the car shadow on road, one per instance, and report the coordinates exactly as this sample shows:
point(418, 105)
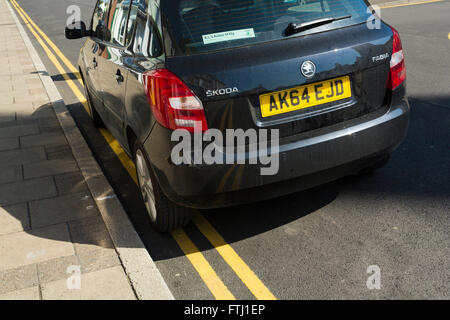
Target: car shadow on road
point(65, 76)
point(418, 168)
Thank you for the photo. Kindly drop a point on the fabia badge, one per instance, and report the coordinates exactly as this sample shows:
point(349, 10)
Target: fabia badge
point(308, 69)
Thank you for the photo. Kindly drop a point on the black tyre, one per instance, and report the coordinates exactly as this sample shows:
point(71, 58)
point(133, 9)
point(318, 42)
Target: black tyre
point(98, 122)
point(164, 214)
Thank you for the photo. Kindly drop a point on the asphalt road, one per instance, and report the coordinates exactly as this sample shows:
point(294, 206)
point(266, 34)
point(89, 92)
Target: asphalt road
point(318, 244)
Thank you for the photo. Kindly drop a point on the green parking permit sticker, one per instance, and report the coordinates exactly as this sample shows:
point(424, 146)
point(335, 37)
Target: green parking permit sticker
point(228, 35)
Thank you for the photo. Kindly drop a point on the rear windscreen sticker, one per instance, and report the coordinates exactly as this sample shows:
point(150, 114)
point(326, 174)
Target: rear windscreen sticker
point(228, 35)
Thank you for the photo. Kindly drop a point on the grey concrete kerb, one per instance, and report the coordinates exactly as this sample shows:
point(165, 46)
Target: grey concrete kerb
point(141, 270)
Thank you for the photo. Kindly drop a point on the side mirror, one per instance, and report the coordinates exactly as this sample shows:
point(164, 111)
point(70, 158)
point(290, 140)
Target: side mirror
point(76, 30)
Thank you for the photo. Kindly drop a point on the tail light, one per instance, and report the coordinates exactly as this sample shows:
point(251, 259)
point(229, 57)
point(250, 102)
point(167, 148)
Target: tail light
point(173, 104)
point(397, 72)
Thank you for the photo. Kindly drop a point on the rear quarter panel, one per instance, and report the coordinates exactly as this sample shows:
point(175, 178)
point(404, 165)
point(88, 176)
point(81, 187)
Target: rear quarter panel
point(139, 116)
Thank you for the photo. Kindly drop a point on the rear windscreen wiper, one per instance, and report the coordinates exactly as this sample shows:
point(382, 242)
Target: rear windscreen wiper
point(295, 28)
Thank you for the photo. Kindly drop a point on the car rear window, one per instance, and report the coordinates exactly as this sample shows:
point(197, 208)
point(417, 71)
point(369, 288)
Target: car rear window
point(196, 26)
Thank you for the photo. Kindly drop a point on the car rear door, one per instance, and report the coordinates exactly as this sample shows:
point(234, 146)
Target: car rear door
point(92, 51)
point(113, 67)
point(147, 55)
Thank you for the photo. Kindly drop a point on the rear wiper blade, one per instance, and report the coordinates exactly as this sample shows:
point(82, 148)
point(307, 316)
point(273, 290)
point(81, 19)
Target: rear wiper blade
point(295, 28)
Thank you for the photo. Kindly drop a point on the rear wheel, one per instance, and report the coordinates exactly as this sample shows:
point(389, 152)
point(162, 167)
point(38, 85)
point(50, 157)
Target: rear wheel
point(164, 214)
point(98, 122)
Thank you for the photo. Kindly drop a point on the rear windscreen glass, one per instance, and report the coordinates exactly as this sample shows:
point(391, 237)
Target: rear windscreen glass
point(195, 26)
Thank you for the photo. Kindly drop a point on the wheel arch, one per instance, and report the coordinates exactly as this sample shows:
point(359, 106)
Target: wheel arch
point(131, 139)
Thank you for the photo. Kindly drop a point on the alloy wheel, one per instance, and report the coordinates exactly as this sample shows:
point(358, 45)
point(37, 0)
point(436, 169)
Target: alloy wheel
point(145, 184)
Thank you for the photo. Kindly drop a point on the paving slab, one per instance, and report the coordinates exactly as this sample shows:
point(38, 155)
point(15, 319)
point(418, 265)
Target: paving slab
point(29, 190)
point(93, 244)
point(6, 99)
point(20, 156)
point(56, 269)
point(9, 143)
point(107, 284)
point(6, 115)
point(14, 218)
point(31, 293)
point(18, 278)
point(10, 173)
point(49, 168)
point(37, 245)
point(20, 130)
point(90, 234)
point(15, 122)
point(44, 111)
point(58, 152)
point(47, 139)
point(50, 125)
point(93, 260)
point(72, 182)
point(62, 209)
point(24, 112)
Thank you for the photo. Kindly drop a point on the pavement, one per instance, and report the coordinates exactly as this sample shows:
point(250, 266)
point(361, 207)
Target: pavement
point(316, 244)
point(54, 243)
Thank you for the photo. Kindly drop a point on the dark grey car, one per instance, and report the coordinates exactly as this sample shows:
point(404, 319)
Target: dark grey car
point(323, 73)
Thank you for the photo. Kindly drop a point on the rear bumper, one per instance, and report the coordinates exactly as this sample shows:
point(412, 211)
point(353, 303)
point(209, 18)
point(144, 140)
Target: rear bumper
point(305, 161)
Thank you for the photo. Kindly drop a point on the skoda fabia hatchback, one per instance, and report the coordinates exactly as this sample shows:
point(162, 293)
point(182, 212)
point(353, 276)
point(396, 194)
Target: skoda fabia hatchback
point(308, 90)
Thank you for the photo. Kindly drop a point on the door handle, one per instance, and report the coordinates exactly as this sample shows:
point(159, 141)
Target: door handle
point(119, 77)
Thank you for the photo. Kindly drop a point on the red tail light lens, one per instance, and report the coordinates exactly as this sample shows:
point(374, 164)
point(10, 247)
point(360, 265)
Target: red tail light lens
point(173, 104)
point(397, 73)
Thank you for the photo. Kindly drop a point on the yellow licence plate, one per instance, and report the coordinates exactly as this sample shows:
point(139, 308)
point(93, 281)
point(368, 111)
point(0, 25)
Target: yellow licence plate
point(305, 96)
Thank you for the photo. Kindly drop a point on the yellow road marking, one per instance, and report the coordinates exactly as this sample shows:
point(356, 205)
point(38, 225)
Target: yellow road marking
point(123, 157)
point(202, 266)
point(449, 36)
point(408, 4)
point(121, 154)
point(247, 276)
point(51, 44)
point(213, 282)
point(52, 58)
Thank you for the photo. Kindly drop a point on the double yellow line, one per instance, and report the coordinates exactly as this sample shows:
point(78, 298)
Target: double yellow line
point(197, 259)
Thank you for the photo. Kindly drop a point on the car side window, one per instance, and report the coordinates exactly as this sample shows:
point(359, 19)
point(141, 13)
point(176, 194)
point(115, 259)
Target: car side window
point(146, 39)
point(100, 18)
point(131, 21)
point(117, 23)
